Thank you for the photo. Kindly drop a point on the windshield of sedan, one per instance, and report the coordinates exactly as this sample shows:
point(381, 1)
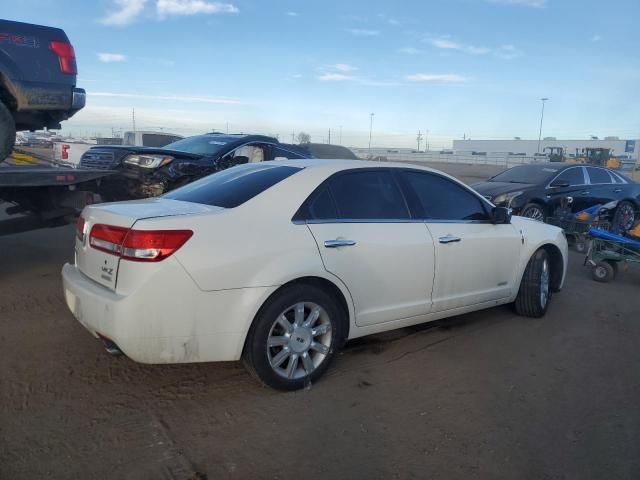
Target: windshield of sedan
point(532, 174)
point(202, 144)
point(234, 186)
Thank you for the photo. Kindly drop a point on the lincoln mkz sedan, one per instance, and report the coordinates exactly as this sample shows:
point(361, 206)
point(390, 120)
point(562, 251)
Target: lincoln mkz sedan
point(279, 263)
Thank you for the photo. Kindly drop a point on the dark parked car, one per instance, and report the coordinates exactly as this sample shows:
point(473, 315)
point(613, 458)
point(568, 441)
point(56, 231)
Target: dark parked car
point(37, 80)
point(148, 172)
point(535, 191)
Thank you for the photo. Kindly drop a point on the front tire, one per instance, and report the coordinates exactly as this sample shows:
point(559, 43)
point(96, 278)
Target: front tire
point(534, 211)
point(535, 288)
point(7, 132)
point(624, 217)
point(294, 337)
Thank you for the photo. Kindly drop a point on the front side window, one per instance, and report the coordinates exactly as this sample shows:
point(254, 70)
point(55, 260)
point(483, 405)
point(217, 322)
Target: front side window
point(573, 176)
point(438, 198)
point(234, 186)
point(598, 175)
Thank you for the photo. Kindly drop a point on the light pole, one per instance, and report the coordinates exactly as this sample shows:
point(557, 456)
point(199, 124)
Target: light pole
point(544, 99)
point(370, 130)
point(426, 140)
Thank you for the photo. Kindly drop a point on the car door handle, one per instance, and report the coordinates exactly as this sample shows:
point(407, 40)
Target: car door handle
point(339, 242)
point(617, 190)
point(449, 239)
point(585, 192)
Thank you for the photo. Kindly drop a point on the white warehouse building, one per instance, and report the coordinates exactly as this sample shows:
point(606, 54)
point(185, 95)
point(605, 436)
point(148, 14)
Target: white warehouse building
point(621, 148)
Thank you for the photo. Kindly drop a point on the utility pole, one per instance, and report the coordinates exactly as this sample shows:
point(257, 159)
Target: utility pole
point(293, 137)
point(541, 118)
point(227, 127)
point(329, 142)
point(419, 138)
point(426, 140)
point(340, 140)
point(133, 119)
point(370, 130)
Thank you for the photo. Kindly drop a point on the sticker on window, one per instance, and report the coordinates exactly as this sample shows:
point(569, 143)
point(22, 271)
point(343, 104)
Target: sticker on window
point(552, 170)
point(215, 142)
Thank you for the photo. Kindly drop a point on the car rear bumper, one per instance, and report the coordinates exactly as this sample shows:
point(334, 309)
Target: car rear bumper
point(167, 320)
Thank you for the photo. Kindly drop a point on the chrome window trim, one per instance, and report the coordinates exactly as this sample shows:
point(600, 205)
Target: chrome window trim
point(385, 220)
point(620, 178)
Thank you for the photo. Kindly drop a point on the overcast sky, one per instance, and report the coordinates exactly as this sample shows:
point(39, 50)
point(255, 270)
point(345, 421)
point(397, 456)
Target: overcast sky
point(453, 67)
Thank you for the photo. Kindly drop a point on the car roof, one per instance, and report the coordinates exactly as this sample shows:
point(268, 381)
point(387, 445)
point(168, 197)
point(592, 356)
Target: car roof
point(339, 164)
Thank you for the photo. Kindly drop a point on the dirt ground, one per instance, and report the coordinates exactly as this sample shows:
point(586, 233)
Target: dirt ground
point(485, 395)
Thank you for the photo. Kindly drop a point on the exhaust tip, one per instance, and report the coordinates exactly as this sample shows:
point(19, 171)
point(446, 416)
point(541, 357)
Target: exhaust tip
point(110, 346)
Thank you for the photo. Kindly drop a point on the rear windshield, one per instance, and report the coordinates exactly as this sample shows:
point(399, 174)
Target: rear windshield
point(234, 186)
point(526, 174)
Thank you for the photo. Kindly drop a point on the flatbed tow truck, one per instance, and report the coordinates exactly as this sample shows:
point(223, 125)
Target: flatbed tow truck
point(42, 196)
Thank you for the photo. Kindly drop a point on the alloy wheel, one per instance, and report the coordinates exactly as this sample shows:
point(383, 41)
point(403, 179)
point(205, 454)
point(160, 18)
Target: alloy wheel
point(535, 213)
point(299, 340)
point(544, 284)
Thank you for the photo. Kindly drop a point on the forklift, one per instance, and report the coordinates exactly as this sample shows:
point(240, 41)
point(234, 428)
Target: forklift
point(600, 157)
point(556, 154)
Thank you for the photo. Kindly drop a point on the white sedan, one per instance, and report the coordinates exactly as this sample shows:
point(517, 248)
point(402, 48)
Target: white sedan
point(279, 263)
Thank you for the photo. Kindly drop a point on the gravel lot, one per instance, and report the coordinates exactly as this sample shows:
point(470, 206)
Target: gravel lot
point(484, 395)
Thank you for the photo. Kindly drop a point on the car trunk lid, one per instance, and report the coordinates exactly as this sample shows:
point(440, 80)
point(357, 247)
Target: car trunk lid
point(101, 260)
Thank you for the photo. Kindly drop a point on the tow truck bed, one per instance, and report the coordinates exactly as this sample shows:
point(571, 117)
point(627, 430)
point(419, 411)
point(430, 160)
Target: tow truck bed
point(42, 197)
point(12, 177)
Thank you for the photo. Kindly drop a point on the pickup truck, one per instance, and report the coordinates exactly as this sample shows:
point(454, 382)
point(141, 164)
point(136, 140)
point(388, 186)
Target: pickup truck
point(37, 89)
point(37, 80)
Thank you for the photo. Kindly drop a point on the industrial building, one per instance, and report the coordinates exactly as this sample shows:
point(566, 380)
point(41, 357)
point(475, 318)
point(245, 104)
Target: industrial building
point(629, 149)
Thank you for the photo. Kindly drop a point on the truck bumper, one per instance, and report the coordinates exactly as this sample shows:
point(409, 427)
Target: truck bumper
point(78, 98)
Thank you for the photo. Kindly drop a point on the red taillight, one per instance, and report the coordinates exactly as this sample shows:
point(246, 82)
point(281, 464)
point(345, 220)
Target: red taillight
point(65, 151)
point(80, 228)
point(107, 238)
point(66, 56)
point(138, 245)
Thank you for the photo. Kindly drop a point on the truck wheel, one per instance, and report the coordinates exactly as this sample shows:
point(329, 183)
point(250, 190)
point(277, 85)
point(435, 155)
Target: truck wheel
point(7, 132)
point(535, 287)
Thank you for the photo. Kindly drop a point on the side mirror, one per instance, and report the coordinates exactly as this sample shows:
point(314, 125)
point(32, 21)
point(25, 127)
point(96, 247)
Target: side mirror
point(501, 215)
point(559, 184)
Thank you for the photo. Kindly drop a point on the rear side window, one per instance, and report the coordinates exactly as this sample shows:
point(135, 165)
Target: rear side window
point(368, 195)
point(234, 186)
point(282, 153)
point(438, 198)
point(598, 175)
point(356, 195)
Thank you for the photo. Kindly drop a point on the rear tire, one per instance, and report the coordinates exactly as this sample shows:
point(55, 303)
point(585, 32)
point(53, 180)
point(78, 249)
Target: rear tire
point(7, 132)
point(294, 337)
point(534, 211)
point(535, 288)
